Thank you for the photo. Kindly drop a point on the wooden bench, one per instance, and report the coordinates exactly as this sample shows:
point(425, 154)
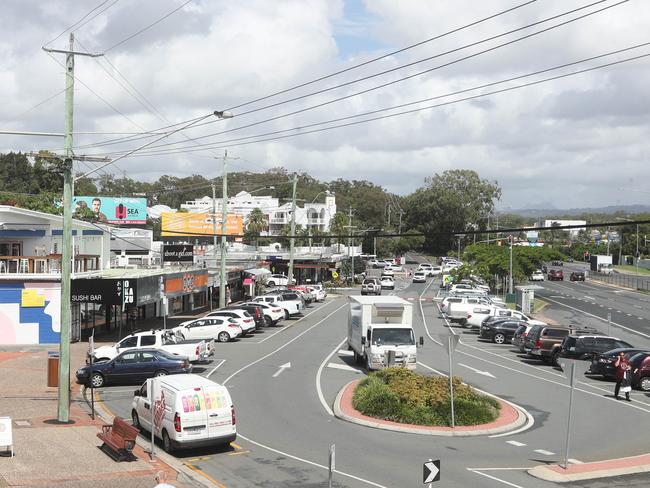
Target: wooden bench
point(119, 440)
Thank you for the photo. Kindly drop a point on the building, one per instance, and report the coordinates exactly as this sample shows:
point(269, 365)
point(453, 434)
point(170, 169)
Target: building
point(561, 223)
point(315, 216)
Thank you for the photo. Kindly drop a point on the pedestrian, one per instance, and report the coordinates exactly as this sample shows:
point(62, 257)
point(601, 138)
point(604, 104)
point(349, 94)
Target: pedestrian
point(623, 376)
point(161, 479)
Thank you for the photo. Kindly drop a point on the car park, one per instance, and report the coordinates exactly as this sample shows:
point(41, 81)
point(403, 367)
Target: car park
point(603, 363)
point(577, 276)
point(273, 313)
point(500, 332)
point(537, 276)
point(387, 283)
point(223, 329)
point(640, 364)
point(197, 412)
point(555, 275)
point(133, 366)
point(243, 318)
point(588, 346)
point(420, 277)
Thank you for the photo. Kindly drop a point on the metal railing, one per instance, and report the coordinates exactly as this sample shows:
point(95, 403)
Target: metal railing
point(625, 280)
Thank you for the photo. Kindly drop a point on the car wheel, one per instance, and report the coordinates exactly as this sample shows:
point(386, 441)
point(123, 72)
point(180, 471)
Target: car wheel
point(167, 442)
point(267, 321)
point(223, 337)
point(160, 373)
point(97, 380)
point(499, 338)
point(555, 355)
point(644, 383)
point(463, 323)
point(271, 283)
point(286, 314)
point(135, 419)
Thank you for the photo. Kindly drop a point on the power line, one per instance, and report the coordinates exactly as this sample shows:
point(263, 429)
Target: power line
point(37, 105)
point(147, 27)
point(219, 144)
point(78, 22)
point(450, 63)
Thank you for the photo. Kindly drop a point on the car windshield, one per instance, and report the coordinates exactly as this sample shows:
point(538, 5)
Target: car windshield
point(638, 357)
point(394, 337)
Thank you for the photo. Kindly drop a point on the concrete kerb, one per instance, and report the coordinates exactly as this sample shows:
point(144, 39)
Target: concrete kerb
point(169, 460)
point(520, 421)
point(589, 471)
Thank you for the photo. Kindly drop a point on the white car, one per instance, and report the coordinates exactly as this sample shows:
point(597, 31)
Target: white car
point(290, 307)
point(224, 329)
point(387, 283)
point(395, 268)
point(272, 312)
point(321, 293)
point(420, 277)
point(537, 276)
point(243, 318)
point(278, 280)
point(387, 271)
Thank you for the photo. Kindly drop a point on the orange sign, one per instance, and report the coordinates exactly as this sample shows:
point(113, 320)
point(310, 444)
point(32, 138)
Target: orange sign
point(186, 283)
point(198, 223)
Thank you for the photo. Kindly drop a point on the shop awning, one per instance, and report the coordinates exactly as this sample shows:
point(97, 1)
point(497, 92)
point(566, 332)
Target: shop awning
point(257, 271)
point(248, 281)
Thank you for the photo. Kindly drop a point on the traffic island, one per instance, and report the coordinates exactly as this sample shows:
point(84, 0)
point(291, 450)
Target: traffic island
point(593, 470)
point(510, 418)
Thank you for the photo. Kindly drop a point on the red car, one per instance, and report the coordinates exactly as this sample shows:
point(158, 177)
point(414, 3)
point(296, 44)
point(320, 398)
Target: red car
point(555, 275)
point(640, 363)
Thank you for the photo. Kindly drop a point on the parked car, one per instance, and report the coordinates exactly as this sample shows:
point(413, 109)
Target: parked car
point(557, 263)
point(640, 364)
point(499, 332)
point(519, 338)
point(388, 271)
point(396, 268)
point(278, 280)
point(290, 307)
point(603, 363)
point(223, 329)
point(427, 268)
point(375, 263)
point(543, 341)
point(476, 316)
point(500, 313)
point(577, 276)
point(537, 276)
point(321, 292)
point(371, 286)
point(243, 318)
point(197, 412)
point(588, 346)
point(387, 283)
point(555, 275)
point(420, 277)
point(133, 367)
point(254, 310)
point(272, 313)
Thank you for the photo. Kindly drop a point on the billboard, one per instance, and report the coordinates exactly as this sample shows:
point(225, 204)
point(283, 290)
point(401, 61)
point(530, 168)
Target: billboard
point(198, 223)
point(178, 253)
point(114, 210)
point(104, 291)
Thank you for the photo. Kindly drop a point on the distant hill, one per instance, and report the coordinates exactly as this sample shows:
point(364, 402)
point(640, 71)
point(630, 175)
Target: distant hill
point(568, 212)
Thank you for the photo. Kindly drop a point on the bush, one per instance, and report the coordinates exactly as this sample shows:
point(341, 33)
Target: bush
point(400, 395)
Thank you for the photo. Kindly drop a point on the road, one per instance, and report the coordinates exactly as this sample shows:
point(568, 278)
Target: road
point(285, 425)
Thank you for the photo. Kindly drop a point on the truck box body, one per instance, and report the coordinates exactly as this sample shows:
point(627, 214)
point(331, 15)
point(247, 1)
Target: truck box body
point(380, 331)
point(598, 261)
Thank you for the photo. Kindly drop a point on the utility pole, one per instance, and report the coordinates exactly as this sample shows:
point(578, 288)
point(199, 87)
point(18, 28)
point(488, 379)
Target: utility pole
point(224, 221)
point(293, 229)
point(511, 239)
point(350, 253)
point(63, 409)
point(400, 222)
point(214, 231)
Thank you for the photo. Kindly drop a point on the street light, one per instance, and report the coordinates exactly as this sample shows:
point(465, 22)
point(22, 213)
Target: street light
point(636, 256)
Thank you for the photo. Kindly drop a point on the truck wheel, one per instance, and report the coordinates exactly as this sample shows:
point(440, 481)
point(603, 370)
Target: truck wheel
point(271, 283)
point(167, 442)
point(223, 337)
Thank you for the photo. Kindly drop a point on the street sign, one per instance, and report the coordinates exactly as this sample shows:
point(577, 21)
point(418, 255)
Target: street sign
point(431, 471)
point(449, 341)
point(579, 368)
point(332, 463)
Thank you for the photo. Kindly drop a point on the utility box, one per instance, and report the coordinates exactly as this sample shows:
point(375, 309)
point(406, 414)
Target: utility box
point(525, 299)
point(53, 369)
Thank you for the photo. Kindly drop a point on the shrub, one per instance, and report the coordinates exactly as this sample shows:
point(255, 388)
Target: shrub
point(402, 395)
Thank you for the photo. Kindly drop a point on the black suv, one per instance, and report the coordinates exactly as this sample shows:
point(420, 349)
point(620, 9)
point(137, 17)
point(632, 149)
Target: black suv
point(499, 332)
point(587, 346)
point(577, 276)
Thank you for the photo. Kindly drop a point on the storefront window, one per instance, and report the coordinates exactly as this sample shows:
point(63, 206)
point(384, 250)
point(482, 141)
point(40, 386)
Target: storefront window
point(200, 300)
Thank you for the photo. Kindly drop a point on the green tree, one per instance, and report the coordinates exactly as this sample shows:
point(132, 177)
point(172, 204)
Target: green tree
point(338, 227)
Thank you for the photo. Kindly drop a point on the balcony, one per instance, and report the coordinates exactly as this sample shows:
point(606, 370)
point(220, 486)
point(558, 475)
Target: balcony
point(279, 220)
point(12, 267)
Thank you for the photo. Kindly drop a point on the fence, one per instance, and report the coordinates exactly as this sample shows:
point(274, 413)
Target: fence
point(640, 282)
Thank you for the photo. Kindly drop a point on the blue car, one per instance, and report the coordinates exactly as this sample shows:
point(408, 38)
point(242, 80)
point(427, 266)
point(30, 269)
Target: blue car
point(133, 367)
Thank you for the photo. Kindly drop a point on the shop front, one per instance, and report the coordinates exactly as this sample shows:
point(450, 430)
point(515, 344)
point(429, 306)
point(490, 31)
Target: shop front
point(186, 292)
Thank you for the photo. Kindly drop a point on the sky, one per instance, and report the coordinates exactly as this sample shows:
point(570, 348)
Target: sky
point(574, 142)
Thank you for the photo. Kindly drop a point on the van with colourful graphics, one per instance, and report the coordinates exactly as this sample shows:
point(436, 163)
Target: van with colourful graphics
point(187, 412)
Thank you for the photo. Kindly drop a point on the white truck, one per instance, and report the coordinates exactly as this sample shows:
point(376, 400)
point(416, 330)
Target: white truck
point(600, 263)
point(380, 332)
point(166, 340)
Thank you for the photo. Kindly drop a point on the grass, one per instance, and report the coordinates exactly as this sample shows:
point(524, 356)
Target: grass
point(539, 305)
point(629, 269)
point(401, 395)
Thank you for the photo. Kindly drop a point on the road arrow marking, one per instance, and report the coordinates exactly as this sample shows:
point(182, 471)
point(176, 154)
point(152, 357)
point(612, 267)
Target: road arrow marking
point(282, 368)
point(484, 373)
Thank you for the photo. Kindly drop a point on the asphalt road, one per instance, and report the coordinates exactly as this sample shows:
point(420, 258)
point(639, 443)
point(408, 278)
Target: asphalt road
point(285, 424)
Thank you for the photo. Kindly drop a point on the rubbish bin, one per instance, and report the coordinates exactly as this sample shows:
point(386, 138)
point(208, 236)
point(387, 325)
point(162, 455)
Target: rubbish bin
point(52, 368)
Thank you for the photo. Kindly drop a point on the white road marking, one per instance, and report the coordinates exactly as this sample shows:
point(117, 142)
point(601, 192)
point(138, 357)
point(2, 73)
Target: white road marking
point(344, 367)
point(281, 369)
point(574, 461)
point(544, 452)
point(312, 463)
point(283, 345)
point(516, 444)
point(494, 478)
point(216, 368)
point(484, 373)
point(321, 397)
point(343, 352)
point(287, 327)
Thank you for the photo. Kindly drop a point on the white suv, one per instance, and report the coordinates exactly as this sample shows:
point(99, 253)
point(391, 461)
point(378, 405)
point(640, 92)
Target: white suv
point(278, 280)
point(243, 318)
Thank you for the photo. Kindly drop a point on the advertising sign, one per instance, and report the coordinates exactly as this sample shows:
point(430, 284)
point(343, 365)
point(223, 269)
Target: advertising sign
point(178, 253)
point(104, 291)
point(189, 282)
point(113, 210)
point(198, 223)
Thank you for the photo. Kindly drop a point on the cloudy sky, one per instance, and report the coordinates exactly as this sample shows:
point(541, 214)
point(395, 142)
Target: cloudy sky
point(578, 141)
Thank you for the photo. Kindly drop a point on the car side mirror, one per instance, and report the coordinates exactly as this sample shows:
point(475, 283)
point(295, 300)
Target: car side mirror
point(421, 341)
point(363, 341)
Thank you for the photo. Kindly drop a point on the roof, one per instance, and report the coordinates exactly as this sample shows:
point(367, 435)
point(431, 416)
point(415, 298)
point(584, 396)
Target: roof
point(380, 300)
point(18, 212)
point(186, 381)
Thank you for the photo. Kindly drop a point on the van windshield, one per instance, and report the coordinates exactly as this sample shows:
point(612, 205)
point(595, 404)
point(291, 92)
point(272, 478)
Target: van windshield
point(393, 337)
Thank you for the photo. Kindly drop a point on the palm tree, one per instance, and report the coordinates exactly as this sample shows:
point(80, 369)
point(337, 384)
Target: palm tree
point(338, 226)
point(255, 223)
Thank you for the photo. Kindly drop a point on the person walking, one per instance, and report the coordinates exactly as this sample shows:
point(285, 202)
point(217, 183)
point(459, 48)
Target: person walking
point(623, 377)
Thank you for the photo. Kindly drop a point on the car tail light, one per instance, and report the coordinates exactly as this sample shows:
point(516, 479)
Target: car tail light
point(469, 316)
point(186, 363)
point(538, 344)
point(232, 415)
point(524, 334)
point(198, 350)
point(177, 422)
point(258, 312)
point(246, 321)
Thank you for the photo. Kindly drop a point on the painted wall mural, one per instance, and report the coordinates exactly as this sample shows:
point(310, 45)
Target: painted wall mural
point(29, 313)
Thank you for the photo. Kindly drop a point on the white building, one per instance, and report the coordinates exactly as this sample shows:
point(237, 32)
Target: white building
point(562, 223)
point(310, 215)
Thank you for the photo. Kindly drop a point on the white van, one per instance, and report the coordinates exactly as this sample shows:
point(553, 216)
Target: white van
point(188, 411)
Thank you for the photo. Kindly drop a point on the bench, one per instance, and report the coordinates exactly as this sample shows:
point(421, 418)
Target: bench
point(119, 440)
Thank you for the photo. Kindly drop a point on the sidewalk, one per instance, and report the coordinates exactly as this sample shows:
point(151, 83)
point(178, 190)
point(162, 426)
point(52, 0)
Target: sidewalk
point(50, 454)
